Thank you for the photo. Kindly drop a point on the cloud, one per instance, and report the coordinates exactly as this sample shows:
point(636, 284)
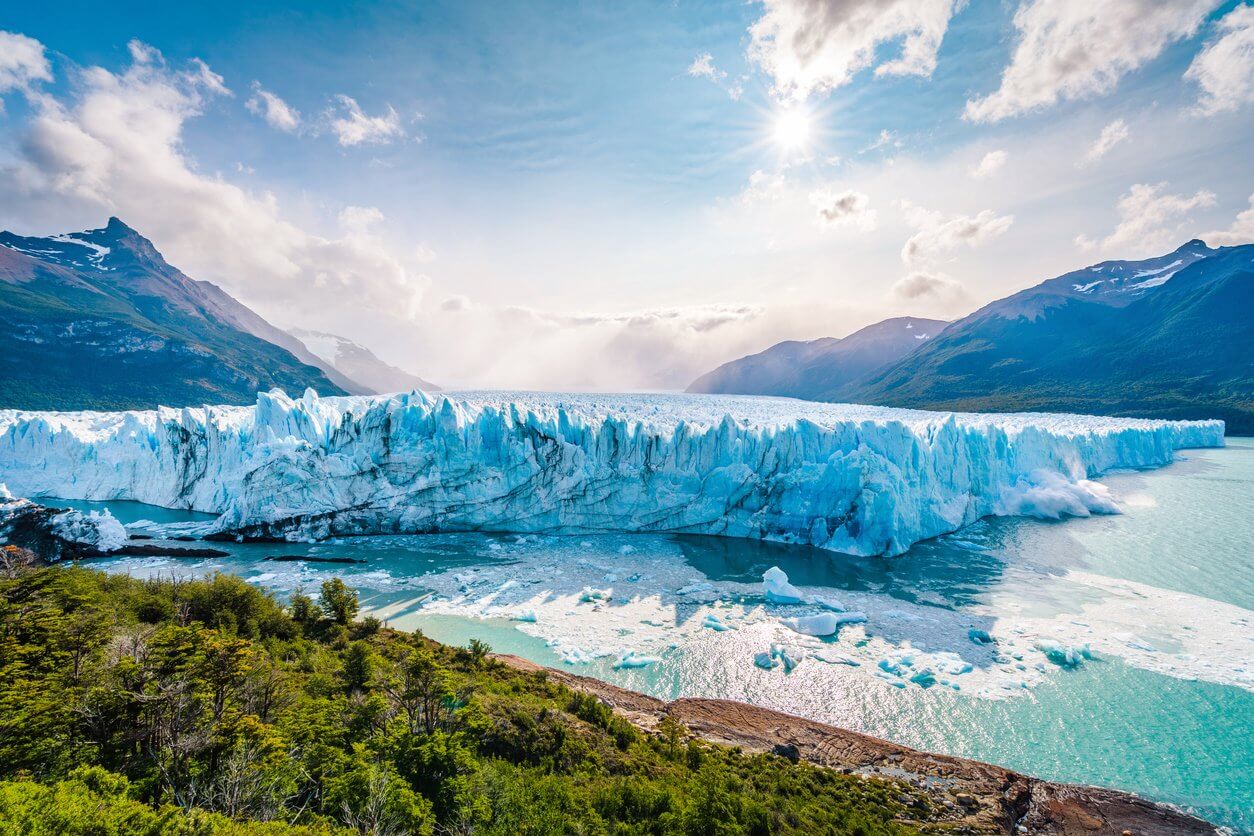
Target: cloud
point(703, 67)
point(940, 234)
point(1225, 66)
point(277, 113)
point(22, 63)
point(989, 164)
point(114, 145)
point(885, 139)
point(1149, 218)
point(812, 46)
point(1111, 135)
point(919, 285)
point(353, 127)
point(846, 208)
point(1073, 49)
point(1241, 231)
point(1085, 243)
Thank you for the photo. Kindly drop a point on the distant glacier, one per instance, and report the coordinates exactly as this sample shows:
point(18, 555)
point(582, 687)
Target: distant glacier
point(855, 479)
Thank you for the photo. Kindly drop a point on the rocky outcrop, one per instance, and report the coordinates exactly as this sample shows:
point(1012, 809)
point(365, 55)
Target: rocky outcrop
point(967, 796)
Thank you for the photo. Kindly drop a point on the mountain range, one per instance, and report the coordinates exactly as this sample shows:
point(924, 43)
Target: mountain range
point(100, 320)
point(1169, 337)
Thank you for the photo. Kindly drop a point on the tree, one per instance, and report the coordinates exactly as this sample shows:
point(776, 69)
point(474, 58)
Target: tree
point(339, 601)
point(358, 666)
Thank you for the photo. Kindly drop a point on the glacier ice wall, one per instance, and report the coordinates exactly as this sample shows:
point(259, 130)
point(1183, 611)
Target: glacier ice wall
point(856, 479)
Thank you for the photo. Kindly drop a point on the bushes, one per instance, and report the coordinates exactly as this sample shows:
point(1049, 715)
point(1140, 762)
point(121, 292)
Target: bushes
point(207, 707)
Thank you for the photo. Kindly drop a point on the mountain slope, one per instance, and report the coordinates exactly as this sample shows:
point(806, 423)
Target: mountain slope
point(359, 364)
point(1169, 337)
point(821, 369)
point(99, 320)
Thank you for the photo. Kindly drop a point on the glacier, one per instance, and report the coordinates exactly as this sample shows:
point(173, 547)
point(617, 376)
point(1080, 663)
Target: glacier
point(848, 478)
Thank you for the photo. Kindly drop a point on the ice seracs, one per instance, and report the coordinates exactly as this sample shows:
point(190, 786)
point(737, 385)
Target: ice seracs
point(855, 479)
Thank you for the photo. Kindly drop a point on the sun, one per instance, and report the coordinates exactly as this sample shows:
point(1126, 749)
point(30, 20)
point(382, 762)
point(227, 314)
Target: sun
point(792, 129)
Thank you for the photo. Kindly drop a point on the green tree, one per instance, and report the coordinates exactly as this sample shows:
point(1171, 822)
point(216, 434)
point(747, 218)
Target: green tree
point(339, 601)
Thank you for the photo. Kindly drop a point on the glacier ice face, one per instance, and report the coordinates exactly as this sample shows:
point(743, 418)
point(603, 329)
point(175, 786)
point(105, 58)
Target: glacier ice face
point(855, 479)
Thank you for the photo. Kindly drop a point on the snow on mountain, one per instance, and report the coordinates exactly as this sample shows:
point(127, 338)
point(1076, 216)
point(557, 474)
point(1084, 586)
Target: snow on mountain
point(99, 318)
point(855, 479)
point(359, 363)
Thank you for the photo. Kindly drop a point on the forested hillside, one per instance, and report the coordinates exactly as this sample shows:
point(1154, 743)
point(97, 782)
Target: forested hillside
point(168, 706)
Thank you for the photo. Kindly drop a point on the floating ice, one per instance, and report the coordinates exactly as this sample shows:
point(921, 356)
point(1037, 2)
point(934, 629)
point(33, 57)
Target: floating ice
point(631, 659)
point(979, 636)
point(765, 659)
point(777, 588)
point(1066, 656)
point(823, 624)
point(715, 623)
point(591, 594)
point(528, 616)
point(856, 479)
point(95, 528)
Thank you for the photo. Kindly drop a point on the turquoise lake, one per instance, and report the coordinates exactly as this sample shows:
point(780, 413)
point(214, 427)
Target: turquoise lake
point(1161, 596)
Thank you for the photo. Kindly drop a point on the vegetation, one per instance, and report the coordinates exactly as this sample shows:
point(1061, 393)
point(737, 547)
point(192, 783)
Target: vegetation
point(200, 707)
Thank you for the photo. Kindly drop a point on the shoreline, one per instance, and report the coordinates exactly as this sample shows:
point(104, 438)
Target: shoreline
point(978, 797)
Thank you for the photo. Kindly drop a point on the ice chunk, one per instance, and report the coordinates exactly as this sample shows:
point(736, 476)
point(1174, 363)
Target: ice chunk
point(777, 588)
point(631, 659)
point(765, 659)
point(823, 624)
point(528, 616)
point(99, 529)
point(592, 594)
point(979, 636)
point(715, 623)
point(1066, 656)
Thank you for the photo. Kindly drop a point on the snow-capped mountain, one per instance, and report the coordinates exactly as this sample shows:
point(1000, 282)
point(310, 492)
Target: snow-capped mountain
point(359, 363)
point(99, 319)
point(820, 369)
point(1171, 337)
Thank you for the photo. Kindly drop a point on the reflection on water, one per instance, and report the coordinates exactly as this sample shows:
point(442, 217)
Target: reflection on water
point(1161, 592)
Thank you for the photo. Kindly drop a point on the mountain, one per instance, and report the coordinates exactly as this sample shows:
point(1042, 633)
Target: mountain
point(1168, 337)
point(100, 320)
point(821, 369)
point(359, 363)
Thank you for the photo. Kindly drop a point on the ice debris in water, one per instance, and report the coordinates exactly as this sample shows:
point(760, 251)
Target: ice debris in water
point(777, 588)
point(979, 636)
point(528, 616)
point(1064, 655)
point(779, 654)
point(823, 624)
point(592, 594)
point(854, 479)
point(95, 528)
point(631, 659)
point(714, 622)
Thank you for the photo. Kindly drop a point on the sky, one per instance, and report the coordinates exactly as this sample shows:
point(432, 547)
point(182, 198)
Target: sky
point(621, 196)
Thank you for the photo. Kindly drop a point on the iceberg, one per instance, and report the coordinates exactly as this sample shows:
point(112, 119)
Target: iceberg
point(823, 624)
point(778, 590)
point(854, 479)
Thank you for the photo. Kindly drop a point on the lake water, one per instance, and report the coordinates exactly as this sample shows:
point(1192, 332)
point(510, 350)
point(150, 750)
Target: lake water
point(1159, 596)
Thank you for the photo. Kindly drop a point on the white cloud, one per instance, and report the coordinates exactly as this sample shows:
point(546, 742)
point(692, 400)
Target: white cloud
point(1241, 231)
point(1149, 218)
point(703, 67)
point(277, 113)
point(353, 127)
point(22, 63)
point(115, 146)
point(1085, 243)
point(845, 208)
point(1111, 135)
point(811, 46)
point(921, 285)
point(989, 164)
point(940, 234)
point(1225, 67)
point(885, 139)
point(1072, 49)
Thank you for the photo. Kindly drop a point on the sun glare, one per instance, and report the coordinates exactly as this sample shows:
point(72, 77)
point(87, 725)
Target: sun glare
point(792, 129)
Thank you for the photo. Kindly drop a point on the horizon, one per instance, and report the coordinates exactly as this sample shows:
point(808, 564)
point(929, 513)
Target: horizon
point(625, 198)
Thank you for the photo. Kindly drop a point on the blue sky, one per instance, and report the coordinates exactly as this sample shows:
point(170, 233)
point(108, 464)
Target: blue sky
point(572, 195)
